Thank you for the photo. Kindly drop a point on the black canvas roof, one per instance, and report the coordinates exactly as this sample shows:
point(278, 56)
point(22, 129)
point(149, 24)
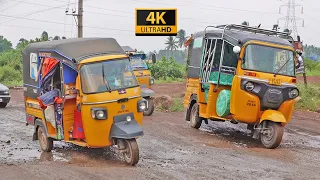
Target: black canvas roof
point(77, 47)
point(127, 48)
point(233, 36)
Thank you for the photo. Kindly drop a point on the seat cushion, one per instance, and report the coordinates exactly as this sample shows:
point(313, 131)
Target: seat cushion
point(225, 79)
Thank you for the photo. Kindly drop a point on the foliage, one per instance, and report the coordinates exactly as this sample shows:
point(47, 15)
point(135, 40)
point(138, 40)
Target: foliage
point(167, 68)
point(11, 59)
point(5, 45)
point(309, 97)
point(178, 55)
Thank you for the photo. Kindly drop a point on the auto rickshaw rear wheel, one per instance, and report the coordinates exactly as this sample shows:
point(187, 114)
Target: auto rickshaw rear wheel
point(150, 109)
point(195, 119)
point(131, 155)
point(272, 136)
point(46, 143)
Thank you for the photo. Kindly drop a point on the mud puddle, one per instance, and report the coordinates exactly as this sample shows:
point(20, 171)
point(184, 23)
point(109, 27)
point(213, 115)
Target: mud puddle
point(239, 136)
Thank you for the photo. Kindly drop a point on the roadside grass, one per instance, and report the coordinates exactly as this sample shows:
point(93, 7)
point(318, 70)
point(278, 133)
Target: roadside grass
point(176, 106)
point(169, 80)
point(14, 83)
point(310, 97)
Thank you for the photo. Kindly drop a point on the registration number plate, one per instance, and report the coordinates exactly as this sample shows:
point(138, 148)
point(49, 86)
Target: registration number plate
point(275, 81)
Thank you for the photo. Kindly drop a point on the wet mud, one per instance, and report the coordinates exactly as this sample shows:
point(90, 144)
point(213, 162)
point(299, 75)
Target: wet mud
point(170, 149)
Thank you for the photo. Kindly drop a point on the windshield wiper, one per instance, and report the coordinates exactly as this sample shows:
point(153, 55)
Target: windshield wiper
point(104, 81)
point(281, 68)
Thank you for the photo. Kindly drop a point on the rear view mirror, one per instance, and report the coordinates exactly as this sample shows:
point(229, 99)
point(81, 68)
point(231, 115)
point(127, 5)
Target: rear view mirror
point(154, 59)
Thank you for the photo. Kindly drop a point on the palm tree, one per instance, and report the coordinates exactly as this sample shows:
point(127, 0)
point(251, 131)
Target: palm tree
point(181, 37)
point(171, 43)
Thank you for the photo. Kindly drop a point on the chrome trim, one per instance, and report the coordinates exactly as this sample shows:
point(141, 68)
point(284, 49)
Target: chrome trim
point(261, 80)
point(194, 67)
point(5, 96)
point(254, 79)
point(110, 101)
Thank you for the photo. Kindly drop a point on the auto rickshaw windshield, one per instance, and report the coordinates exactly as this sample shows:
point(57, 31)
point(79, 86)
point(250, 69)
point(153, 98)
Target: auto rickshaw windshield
point(269, 59)
point(107, 76)
point(137, 63)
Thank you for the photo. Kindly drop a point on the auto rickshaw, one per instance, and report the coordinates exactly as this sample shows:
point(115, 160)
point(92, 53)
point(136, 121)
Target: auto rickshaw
point(83, 91)
point(142, 72)
point(242, 74)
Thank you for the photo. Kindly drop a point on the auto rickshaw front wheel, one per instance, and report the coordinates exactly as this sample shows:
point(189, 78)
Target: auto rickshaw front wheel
point(150, 109)
point(272, 136)
point(46, 143)
point(131, 154)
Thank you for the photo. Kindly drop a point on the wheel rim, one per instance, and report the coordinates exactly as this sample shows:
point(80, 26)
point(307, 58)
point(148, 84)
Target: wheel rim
point(127, 153)
point(269, 133)
point(42, 138)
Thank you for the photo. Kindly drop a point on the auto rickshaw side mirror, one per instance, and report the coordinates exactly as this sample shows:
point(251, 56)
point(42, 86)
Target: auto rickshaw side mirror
point(154, 59)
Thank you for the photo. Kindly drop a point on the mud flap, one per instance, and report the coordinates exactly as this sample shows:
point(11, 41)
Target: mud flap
point(146, 92)
point(123, 129)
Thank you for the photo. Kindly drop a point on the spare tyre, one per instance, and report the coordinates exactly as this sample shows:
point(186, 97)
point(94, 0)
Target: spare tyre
point(223, 103)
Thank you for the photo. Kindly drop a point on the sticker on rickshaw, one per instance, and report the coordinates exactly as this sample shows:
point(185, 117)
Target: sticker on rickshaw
point(275, 81)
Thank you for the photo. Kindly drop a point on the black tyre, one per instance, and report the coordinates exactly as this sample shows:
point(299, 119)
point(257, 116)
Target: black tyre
point(195, 120)
point(3, 105)
point(272, 137)
point(131, 156)
point(46, 144)
point(149, 111)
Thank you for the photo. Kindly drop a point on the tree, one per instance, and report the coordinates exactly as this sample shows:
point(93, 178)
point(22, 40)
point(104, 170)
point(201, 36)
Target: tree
point(181, 37)
point(22, 43)
point(44, 36)
point(56, 38)
point(171, 44)
point(246, 23)
point(5, 45)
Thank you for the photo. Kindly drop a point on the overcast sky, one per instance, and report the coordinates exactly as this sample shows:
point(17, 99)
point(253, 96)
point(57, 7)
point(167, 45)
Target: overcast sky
point(116, 18)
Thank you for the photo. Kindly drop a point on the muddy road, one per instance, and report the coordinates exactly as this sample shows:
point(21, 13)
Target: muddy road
point(170, 149)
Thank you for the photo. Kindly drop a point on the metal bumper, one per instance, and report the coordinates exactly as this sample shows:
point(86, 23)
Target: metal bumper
point(5, 98)
point(146, 92)
point(122, 129)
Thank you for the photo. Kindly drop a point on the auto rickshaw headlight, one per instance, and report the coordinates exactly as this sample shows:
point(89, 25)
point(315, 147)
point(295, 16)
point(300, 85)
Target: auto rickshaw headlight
point(142, 105)
point(293, 93)
point(99, 113)
point(249, 86)
point(128, 118)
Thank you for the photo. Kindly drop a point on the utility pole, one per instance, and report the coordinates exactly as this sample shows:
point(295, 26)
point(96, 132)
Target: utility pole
point(79, 17)
point(291, 18)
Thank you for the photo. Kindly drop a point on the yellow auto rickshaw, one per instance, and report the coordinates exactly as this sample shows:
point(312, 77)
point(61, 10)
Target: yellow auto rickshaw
point(242, 74)
point(83, 91)
point(142, 72)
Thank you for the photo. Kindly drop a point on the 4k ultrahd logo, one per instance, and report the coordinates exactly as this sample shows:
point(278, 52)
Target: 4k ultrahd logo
point(156, 22)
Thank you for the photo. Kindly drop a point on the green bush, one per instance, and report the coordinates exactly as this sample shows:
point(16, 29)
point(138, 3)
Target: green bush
point(167, 69)
point(310, 97)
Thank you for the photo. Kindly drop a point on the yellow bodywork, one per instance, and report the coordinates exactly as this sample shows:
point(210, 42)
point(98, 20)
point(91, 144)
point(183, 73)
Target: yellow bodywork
point(143, 77)
point(96, 131)
point(239, 108)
